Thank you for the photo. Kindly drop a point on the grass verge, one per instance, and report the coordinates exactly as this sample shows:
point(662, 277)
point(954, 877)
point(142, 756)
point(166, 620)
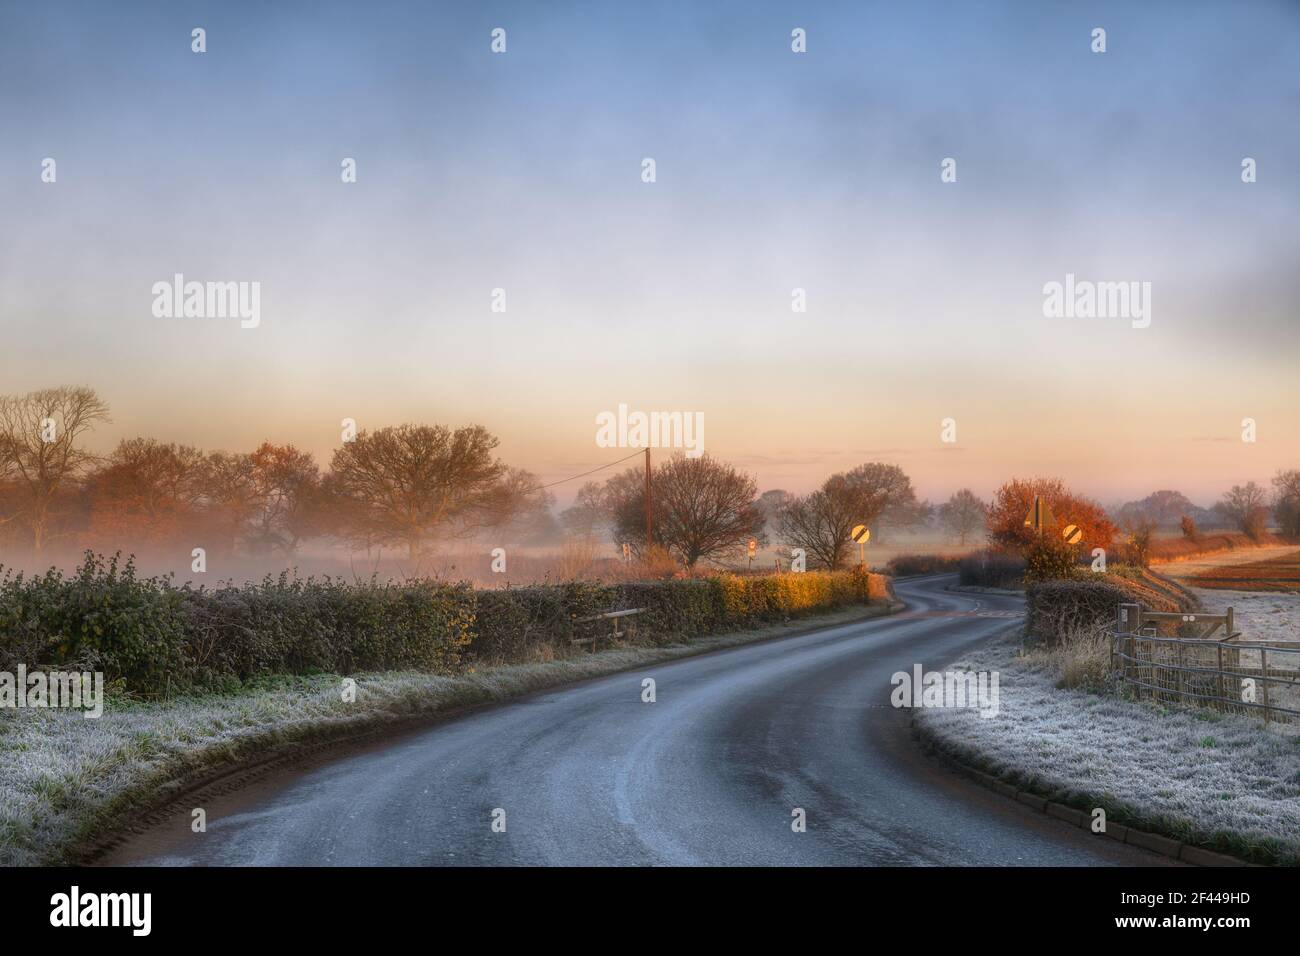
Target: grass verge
point(1205, 779)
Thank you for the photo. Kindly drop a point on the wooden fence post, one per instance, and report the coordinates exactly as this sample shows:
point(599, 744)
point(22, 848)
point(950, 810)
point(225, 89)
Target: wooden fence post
point(1263, 679)
point(1218, 652)
point(1181, 658)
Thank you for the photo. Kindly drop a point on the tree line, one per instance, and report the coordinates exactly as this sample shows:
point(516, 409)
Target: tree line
point(410, 485)
point(400, 486)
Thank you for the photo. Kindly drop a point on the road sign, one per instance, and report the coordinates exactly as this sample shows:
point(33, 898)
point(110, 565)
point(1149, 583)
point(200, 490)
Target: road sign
point(861, 534)
point(753, 546)
point(1072, 534)
point(1040, 515)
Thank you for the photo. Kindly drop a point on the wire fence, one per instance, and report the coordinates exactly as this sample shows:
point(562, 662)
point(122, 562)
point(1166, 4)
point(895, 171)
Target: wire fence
point(1259, 678)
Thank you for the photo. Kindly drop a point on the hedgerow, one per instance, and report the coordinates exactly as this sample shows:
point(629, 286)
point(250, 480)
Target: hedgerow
point(151, 637)
point(1087, 602)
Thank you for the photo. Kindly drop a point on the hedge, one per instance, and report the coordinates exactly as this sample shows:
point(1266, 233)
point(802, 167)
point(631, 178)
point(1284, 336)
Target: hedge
point(1089, 601)
point(992, 569)
point(152, 637)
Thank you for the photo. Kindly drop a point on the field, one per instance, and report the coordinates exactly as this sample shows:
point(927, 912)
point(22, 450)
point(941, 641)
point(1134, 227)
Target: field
point(1246, 581)
point(1174, 547)
point(1281, 573)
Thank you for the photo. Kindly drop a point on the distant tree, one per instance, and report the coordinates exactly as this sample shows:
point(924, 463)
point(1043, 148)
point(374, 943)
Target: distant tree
point(285, 498)
point(517, 506)
point(701, 507)
point(963, 514)
point(1162, 508)
point(900, 510)
point(228, 497)
point(40, 435)
point(145, 492)
point(1286, 501)
point(772, 504)
point(1245, 506)
point(589, 513)
point(406, 484)
point(1187, 524)
point(822, 522)
point(1012, 502)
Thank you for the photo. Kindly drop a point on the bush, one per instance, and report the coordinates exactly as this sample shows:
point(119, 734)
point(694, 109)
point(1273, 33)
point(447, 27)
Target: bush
point(1088, 603)
point(1049, 558)
point(152, 637)
point(922, 564)
point(992, 569)
point(101, 616)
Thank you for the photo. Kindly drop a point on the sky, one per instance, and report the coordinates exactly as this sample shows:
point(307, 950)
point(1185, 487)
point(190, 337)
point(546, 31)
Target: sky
point(775, 170)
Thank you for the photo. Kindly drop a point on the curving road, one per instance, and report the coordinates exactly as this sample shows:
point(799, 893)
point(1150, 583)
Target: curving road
point(708, 774)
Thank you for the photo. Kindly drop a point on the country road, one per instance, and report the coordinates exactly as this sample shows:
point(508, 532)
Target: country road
point(707, 774)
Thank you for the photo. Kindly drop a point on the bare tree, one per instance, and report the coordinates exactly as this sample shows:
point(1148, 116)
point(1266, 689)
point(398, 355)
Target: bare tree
point(517, 505)
point(286, 499)
point(822, 522)
point(145, 490)
point(702, 508)
point(39, 442)
point(963, 514)
point(1245, 506)
point(899, 509)
point(408, 483)
point(1286, 501)
point(773, 503)
point(589, 511)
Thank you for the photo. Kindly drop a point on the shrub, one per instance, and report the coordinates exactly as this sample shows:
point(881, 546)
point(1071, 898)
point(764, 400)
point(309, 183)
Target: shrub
point(1136, 548)
point(102, 617)
point(1187, 525)
point(1088, 603)
point(1049, 558)
point(992, 569)
point(922, 564)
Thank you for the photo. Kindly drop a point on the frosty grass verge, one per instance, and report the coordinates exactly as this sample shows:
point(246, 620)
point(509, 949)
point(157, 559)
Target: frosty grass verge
point(1208, 779)
point(65, 780)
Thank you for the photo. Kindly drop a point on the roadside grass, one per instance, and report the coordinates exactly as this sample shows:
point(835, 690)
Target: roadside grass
point(1218, 781)
point(66, 782)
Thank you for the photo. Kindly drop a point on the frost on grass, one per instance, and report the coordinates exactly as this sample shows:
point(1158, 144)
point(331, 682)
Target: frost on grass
point(1202, 777)
point(1271, 615)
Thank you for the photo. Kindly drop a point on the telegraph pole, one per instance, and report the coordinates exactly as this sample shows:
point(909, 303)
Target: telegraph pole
point(649, 524)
